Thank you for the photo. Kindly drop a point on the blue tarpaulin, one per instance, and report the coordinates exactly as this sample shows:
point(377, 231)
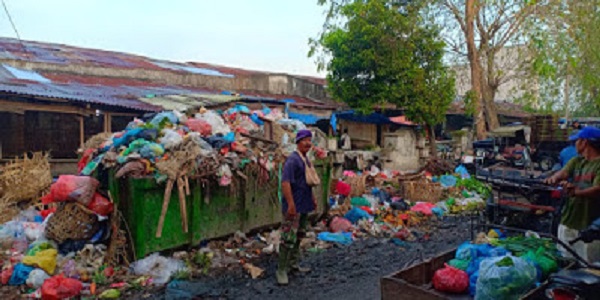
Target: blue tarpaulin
point(307, 119)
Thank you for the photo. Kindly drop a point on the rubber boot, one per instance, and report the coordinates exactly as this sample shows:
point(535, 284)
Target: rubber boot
point(282, 266)
point(294, 261)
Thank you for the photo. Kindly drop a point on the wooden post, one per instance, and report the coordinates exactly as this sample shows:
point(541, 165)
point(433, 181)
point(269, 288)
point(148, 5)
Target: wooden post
point(81, 132)
point(108, 122)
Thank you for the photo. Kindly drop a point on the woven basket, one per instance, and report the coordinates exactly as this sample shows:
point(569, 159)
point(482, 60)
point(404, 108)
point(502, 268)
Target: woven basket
point(72, 221)
point(422, 191)
point(358, 185)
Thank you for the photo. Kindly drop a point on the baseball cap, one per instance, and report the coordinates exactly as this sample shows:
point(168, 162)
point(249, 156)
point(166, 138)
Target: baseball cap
point(587, 133)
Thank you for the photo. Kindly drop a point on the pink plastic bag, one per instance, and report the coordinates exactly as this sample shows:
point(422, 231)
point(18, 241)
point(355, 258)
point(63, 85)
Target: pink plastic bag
point(199, 126)
point(423, 207)
point(339, 224)
point(72, 188)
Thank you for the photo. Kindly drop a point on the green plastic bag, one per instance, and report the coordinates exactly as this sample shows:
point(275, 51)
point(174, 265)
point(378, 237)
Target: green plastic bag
point(544, 262)
point(360, 201)
point(461, 264)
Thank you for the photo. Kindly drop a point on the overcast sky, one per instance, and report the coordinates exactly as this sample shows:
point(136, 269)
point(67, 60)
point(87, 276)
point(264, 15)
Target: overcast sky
point(270, 35)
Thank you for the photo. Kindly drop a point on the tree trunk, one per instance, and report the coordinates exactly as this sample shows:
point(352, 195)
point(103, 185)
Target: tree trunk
point(489, 88)
point(432, 145)
point(474, 62)
point(491, 113)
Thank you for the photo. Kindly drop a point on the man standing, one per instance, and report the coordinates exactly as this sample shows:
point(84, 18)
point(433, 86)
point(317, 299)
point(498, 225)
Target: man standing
point(580, 179)
point(298, 202)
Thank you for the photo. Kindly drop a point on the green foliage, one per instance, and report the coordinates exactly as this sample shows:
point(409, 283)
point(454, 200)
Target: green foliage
point(381, 52)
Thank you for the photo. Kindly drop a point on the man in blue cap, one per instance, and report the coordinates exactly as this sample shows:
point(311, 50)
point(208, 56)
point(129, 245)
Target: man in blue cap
point(580, 179)
point(298, 202)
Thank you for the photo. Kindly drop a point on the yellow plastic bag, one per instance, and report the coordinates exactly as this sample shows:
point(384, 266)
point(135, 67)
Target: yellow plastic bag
point(45, 260)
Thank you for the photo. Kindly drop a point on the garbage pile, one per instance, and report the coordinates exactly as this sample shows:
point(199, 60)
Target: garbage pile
point(498, 267)
point(392, 204)
point(171, 145)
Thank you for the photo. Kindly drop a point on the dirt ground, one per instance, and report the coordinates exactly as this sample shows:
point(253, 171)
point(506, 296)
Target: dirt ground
point(343, 272)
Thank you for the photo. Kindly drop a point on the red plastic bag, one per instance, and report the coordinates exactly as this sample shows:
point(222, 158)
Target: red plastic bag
point(59, 287)
point(101, 205)
point(451, 280)
point(72, 188)
point(6, 274)
point(199, 126)
point(343, 188)
point(46, 212)
point(367, 209)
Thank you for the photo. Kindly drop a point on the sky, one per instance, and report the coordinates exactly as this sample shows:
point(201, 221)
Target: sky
point(268, 35)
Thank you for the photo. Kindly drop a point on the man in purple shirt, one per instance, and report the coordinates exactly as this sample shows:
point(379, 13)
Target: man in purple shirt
point(298, 202)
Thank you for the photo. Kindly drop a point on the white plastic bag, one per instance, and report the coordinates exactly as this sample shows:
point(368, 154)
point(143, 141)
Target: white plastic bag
point(159, 267)
point(170, 139)
point(36, 278)
point(217, 123)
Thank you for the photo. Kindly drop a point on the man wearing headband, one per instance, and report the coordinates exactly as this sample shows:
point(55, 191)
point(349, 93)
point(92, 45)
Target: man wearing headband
point(298, 202)
point(580, 179)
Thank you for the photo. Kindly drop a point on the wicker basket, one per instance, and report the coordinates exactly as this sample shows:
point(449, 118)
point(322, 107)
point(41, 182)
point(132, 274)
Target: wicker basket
point(358, 185)
point(72, 221)
point(420, 190)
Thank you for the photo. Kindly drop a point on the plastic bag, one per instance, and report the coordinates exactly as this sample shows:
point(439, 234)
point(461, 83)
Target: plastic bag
point(170, 138)
point(33, 231)
point(448, 181)
point(59, 287)
point(360, 201)
point(199, 126)
point(167, 116)
point(450, 280)
point(45, 260)
point(152, 150)
point(38, 246)
point(72, 188)
point(216, 122)
point(101, 205)
point(339, 224)
point(459, 264)
point(462, 171)
point(504, 277)
point(20, 274)
point(546, 264)
point(36, 278)
point(159, 267)
point(6, 274)
point(473, 283)
point(344, 238)
point(423, 207)
point(343, 188)
point(356, 214)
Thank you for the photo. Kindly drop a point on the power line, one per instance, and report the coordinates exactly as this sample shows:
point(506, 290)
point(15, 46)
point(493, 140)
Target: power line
point(14, 28)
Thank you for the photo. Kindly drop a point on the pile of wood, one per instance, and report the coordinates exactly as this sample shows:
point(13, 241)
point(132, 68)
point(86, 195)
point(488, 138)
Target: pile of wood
point(421, 190)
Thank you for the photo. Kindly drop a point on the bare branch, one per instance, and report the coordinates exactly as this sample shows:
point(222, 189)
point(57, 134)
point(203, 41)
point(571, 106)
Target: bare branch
point(456, 12)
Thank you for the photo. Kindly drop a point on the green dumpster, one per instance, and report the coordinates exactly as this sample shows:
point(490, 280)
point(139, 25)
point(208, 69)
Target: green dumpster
point(217, 211)
point(140, 201)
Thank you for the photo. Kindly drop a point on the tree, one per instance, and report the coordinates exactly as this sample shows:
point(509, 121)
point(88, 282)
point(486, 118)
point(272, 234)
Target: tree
point(479, 31)
point(380, 51)
point(564, 44)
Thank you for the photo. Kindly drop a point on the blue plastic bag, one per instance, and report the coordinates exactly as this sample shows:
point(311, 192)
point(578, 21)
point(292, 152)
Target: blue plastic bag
point(462, 171)
point(20, 274)
point(254, 117)
point(169, 115)
point(356, 214)
point(344, 238)
point(473, 283)
point(448, 181)
point(504, 277)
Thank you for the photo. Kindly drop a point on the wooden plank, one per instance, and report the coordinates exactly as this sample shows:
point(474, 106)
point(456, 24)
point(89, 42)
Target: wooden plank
point(20, 106)
point(81, 132)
